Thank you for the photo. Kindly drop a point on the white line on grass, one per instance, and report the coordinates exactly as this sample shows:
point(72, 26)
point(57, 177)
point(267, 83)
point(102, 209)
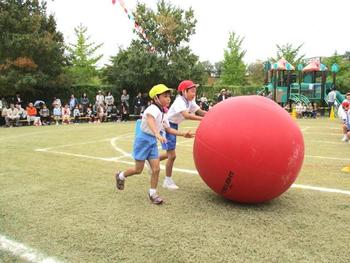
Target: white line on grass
point(194, 172)
point(329, 142)
point(125, 154)
point(321, 189)
point(24, 252)
point(328, 158)
point(324, 133)
point(114, 145)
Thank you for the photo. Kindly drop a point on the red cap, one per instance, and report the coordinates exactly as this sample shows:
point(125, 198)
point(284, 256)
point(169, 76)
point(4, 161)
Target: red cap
point(345, 104)
point(186, 84)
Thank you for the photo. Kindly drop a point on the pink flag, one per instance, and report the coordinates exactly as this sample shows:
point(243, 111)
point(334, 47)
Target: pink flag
point(113, 2)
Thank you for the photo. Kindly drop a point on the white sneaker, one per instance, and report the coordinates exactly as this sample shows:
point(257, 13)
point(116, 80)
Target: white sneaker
point(148, 166)
point(345, 138)
point(169, 184)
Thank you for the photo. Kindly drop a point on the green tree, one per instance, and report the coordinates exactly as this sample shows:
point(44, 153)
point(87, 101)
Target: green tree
point(31, 50)
point(135, 69)
point(168, 30)
point(218, 68)
point(256, 73)
point(209, 67)
point(290, 53)
point(343, 76)
point(83, 60)
point(233, 67)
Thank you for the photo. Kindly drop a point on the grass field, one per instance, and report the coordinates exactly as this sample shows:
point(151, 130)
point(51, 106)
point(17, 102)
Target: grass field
point(57, 198)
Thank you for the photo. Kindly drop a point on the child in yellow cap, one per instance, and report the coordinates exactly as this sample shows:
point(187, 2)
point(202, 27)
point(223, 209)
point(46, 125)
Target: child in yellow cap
point(145, 144)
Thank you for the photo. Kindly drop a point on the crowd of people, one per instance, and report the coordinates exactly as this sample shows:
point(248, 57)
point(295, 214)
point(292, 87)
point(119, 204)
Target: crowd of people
point(102, 108)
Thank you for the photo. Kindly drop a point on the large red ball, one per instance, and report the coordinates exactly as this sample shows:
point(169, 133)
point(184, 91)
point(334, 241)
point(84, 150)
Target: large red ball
point(248, 149)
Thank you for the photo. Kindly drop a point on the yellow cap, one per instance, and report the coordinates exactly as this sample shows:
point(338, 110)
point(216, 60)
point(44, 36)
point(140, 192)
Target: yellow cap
point(157, 90)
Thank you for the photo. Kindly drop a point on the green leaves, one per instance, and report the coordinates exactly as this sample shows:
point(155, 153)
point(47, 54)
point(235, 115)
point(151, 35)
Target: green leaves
point(233, 67)
point(290, 53)
point(31, 49)
point(168, 29)
point(82, 58)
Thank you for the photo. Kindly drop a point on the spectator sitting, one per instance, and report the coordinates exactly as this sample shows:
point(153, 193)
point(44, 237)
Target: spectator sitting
point(204, 102)
point(31, 115)
point(56, 101)
point(101, 114)
point(109, 100)
point(310, 111)
point(76, 114)
point(65, 114)
point(3, 115)
point(84, 102)
point(90, 114)
point(72, 102)
point(287, 107)
point(22, 113)
point(304, 110)
point(125, 112)
point(299, 110)
point(223, 95)
point(138, 104)
point(45, 115)
point(100, 98)
point(12, 116)
point(57, 113)
point(113, 115)
point(18, 100)
point(125, 97)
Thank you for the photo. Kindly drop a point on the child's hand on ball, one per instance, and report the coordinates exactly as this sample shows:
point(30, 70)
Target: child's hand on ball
point(189, 134)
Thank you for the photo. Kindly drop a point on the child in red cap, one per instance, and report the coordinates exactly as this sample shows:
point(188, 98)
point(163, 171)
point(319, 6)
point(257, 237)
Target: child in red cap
point(183, 108)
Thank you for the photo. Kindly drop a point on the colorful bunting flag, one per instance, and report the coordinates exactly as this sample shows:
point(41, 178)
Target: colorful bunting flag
point(137, 27)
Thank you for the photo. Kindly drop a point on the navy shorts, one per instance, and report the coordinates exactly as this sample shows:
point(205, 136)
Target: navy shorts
point(171, 139)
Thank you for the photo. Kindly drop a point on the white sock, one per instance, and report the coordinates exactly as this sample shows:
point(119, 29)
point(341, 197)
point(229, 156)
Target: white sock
point(121, 176)
point(152, 191)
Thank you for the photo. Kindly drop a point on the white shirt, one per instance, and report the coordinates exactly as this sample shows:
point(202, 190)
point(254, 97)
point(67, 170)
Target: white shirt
point(109, 100)
point(181, 104)
point(331, 96)
point(100, 99)
point(160, 118)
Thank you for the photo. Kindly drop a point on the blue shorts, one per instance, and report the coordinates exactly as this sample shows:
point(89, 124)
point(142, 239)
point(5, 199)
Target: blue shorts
point(145, 145)
point(171, 139)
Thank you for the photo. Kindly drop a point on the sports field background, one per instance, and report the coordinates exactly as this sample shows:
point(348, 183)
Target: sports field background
point(57, 197)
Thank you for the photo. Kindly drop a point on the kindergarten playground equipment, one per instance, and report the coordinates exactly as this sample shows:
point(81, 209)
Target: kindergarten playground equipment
point(304, 84)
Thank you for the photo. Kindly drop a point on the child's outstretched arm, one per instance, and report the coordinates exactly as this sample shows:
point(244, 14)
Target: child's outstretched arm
point(190, 116)
point(201, 112)
point(152, 125)
point(187, 134)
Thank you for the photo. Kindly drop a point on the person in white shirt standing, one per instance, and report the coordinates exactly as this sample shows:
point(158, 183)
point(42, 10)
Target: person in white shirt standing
point(331, 99)
point(183, 108)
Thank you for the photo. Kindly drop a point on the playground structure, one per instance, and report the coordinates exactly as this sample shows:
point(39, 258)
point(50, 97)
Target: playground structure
point(306, 84)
